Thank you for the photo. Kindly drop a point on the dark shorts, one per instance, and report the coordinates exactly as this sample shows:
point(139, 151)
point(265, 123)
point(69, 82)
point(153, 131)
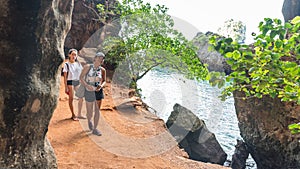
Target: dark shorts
point(92, 96)
point(73, 82)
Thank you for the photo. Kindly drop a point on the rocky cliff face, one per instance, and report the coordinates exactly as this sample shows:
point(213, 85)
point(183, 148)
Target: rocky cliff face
point(264, 122)
point(31, 49)
point(86, 21)
point(264, 127)
point(290, 9)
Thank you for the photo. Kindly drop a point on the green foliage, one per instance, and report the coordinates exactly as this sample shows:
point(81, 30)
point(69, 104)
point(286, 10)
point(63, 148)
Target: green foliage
point(115, 50)
point(105, 12)
point(269, 66)
point(100, 8)
point(295, 128)
point(147, 39)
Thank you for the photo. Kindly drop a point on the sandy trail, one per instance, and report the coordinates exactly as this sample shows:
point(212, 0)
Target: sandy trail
point(131, 138)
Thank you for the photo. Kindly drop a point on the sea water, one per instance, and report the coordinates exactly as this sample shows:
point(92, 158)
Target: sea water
point(161, 90)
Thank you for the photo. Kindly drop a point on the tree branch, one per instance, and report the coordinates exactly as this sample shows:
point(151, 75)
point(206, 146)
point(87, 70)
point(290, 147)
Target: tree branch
point(96, 13)
point(139, 77)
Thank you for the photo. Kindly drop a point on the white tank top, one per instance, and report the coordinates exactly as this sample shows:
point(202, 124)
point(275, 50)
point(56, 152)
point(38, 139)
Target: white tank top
point(73, 69)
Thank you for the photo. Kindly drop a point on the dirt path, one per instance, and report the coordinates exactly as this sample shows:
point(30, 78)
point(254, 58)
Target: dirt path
point(131, 138)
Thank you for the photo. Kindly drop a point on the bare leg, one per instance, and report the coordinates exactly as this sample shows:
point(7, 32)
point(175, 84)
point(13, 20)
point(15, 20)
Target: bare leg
point(89, 110)
point(89, 114)
point(80, 103)
point(97, 117)
point(71, 98)
point(97, 112)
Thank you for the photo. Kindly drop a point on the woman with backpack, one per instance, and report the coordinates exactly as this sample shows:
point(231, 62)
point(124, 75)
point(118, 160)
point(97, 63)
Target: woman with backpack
point(71, 71)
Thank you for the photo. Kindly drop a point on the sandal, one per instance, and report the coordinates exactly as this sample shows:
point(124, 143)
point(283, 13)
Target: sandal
point(81, 117)
point(75, 118)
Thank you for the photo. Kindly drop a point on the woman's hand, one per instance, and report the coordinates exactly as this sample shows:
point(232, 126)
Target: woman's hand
point(67, 91)
point(90, 88)
point(99, 87)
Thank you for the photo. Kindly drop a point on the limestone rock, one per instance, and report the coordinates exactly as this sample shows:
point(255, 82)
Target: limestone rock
point(31, 51)
point(240, 156)
point(86, 22)
point(194, 137)
point(264, 128)
point(214, 60)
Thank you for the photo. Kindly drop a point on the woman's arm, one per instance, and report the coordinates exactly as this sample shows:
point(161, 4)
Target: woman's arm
point(65, 82)
point(65, 77)
point(83, 73)
point(82, 76)
point(103, 79)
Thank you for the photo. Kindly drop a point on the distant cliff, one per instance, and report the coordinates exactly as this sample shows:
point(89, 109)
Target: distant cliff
point(214, 60)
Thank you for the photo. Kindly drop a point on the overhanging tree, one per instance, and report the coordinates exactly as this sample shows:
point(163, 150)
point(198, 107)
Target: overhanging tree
point(148, 40)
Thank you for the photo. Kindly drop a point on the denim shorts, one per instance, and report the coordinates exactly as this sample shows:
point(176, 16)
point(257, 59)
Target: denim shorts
point(91, 96)
point(73, 82)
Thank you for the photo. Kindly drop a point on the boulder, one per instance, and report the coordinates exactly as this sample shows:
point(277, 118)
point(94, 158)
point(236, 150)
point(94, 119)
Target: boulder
point(240, 156)
point(31, 51)
point(264, 128)
point(192, 134)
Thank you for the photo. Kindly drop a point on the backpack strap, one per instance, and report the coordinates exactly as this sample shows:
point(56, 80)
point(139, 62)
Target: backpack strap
point(68, 69)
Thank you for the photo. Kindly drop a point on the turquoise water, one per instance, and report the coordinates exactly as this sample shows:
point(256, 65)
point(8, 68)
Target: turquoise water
point(161, 90)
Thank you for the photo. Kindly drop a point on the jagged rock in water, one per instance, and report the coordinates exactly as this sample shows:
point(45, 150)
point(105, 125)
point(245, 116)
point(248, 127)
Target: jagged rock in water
point(31, 50)
point(290, 9)
point(194, 137)
point(240, 156)
point(264, 128)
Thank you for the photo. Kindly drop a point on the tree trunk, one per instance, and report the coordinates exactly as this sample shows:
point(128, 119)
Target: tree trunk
point(31, 50)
